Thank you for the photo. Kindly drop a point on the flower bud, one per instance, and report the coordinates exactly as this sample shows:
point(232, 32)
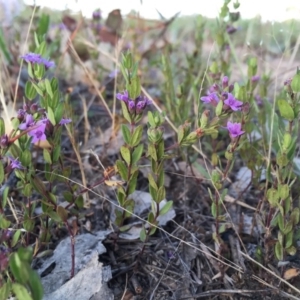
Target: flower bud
point(131, 106)
point(190, 139)
point(33, 108)
point(225, 82)
point(155, 134)
point(97, 14)
point(21, 115)
point(230, 88)
point(204, 118)
point(4, 141)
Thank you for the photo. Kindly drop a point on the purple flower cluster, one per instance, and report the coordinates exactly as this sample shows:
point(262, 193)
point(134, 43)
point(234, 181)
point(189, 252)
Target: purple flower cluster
point(222, 92)
point(134, 106)
point(36, 130)
point(35, 58)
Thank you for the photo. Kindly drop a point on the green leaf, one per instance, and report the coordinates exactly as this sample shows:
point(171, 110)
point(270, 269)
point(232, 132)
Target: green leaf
point(79, 201)
point(62, 212)
point(295, 84)
point(279, 251)
point(134, 88)
point(28, 224)
point(286, 110)
point(43, 25)
point(21, 292)
point(3, 222)
point(151, 119)
point(47, 156)
point(2, 175)
point(132, 182)
point(48, 89)
point(4, 197)
point(280, 222)
point(152, 152)
point(68, 196)
point(129, 206)
point(30, 91)
point(37, 88)
point(19, 268)
point(143, 235)
point(219, 109)
point(125, 112)
point(137, 153)
point(2, 126)
point(152, 182)
point(126, 134)
point(25, 158)
point(36, 286)
point(59, 111)
point(4, 46)
point(54, 215)
point(27, 191)
point(289, 239)
point(161, 194)
point(273, 197)
point(153, 192)
point(288, 227)
point(214, 209)
point(5, 290)
point(294, 218)
point(16, 237)
point(51, 116)
point(166, 208)
point(125, 152)
point(291, 250)
point(137, 135)
point(38, 185)
point(283, 190)
point(56, 153)
point(122, 169)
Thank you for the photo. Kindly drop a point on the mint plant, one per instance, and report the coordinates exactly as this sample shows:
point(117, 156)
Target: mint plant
point(36, 123)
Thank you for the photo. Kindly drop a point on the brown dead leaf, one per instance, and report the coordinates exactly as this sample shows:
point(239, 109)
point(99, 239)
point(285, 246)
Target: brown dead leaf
point(114, 21)
point(291, 273)
point(108, 36)
point(69, 22)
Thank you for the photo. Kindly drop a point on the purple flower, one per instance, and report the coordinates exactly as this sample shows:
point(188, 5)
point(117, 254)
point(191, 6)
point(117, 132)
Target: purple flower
point(35, 58)
point(29, 121)
point(142, 103)
point(97, 14)
point(32, 58)
point(255, 79)
point(230, 29)
point(113, 74)
point(38, 131)
point(225, 82)
point(47, 63)
point(210, 98)
point(123, 97)
point(62, 26)
point(65, 121)
point(233, 103)
point(15, 163)
point(131, 106)
point(235, 129)
point(21, 114)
